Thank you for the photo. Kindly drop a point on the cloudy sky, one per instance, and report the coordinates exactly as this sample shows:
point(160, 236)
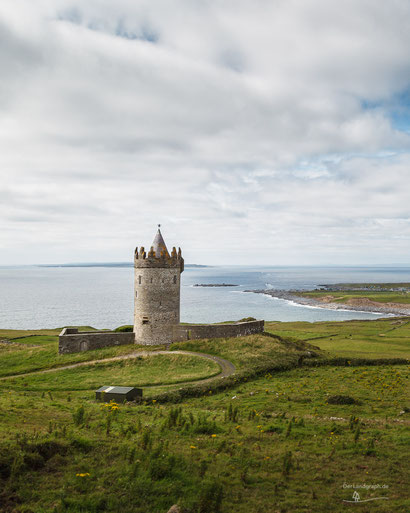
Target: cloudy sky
point(263, 131)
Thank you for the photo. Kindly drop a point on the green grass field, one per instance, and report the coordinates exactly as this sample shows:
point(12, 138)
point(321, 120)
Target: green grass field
point(39, 352)
point(141, 371)
point(381, 338)
point(281, 441)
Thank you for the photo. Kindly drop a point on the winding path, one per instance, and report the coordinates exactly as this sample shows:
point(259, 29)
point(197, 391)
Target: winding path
point(227, 368)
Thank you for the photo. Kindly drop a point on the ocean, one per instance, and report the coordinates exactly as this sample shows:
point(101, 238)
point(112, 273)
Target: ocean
point(50, 297)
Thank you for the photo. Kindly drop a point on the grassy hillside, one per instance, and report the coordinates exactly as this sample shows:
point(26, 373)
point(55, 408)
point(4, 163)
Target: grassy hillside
point(381, 338)
point(141, 371)
point(285, 441)
point(39, 352)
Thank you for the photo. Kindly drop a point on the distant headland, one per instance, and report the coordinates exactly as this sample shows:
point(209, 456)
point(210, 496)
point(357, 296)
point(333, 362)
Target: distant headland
point(106, 264)
point(389, 298)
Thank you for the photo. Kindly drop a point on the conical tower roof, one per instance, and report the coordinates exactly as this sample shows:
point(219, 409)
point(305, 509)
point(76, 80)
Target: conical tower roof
point(159, 245)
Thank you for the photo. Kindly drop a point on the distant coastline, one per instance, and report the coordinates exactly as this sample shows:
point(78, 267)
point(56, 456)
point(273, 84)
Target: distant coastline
point(215, 285)
point(360, 304)
point(107, 264)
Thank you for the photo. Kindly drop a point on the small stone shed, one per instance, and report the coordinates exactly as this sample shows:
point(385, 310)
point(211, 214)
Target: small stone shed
point(117, 394)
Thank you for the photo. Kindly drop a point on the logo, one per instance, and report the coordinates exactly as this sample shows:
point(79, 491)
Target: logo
point(356, 498)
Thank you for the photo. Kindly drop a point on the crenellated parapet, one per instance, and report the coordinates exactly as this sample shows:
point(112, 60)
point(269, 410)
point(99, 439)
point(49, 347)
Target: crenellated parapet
point(163, 259)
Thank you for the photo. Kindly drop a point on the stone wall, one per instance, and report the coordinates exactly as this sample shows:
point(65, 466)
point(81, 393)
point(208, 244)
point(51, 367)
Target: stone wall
point(71, 341)
point(197, 331)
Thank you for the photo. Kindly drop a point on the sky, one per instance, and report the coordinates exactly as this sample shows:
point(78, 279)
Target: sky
point(263, 132)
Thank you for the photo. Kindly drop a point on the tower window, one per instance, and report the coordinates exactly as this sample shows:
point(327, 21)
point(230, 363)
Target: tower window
point(139, 280)
point(136, 293)
point(145, 320)
point(175, 278)
point(151, 280)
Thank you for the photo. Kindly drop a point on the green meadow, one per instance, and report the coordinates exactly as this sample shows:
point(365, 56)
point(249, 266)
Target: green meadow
point(401, 297)
point(311, 411)
point(381, 338)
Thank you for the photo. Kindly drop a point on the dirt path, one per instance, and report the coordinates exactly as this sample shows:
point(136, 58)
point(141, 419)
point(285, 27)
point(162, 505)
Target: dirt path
point(227, 368)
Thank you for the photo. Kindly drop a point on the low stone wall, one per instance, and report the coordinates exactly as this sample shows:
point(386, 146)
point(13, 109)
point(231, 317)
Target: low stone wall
point(196, 331)
point(71, 341)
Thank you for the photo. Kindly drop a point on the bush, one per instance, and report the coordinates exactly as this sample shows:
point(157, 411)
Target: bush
point(203, 426)
point(161, 468)
point(6, 462)
point(341, 399)
point(34, 461)
point(78, 416)
point(287, 463)
point(82, 444)
point(47, 448)
point(354, 362)
point(210, 497)
point(274, 429)
point(125, 328)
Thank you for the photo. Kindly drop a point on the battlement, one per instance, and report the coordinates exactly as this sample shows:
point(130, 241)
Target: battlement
point(164, 259)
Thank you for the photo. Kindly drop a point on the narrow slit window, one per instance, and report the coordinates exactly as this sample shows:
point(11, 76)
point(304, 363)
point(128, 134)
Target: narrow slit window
point(175, 278)
point(139, 280)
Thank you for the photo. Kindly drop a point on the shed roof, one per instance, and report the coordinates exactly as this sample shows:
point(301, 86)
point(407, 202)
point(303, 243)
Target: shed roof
point(115, 390)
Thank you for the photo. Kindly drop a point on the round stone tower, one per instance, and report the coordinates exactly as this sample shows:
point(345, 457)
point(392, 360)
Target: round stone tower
point(157, 278)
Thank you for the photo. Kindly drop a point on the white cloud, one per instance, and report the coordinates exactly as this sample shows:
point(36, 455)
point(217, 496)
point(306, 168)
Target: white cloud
point(242, 127)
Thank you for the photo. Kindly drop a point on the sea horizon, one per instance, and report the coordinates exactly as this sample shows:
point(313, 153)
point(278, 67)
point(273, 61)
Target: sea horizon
point(37, 296)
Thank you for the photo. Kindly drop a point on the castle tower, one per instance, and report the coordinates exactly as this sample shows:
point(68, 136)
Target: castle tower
point(157, 283)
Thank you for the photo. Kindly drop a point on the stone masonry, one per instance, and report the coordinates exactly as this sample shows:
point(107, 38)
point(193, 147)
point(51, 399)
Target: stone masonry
point(72, 341)
point(157, 284)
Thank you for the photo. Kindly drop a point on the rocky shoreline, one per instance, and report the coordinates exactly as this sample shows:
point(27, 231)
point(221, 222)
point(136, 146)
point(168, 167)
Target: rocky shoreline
point(357, 304)
point(215, 285)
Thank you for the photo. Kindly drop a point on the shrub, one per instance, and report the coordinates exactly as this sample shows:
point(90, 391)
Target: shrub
point(203, 426)
point(233, 414)
point(273, 429)
point(287, 463)
point(122, 329)
point(146, 441)
point(6, 462)
point(78, 416)
point(210, 497)
point(33, 461)
point(82, 444)
point(354, 362)
point(161, 468)
point(47, 448)
point(342, 399)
